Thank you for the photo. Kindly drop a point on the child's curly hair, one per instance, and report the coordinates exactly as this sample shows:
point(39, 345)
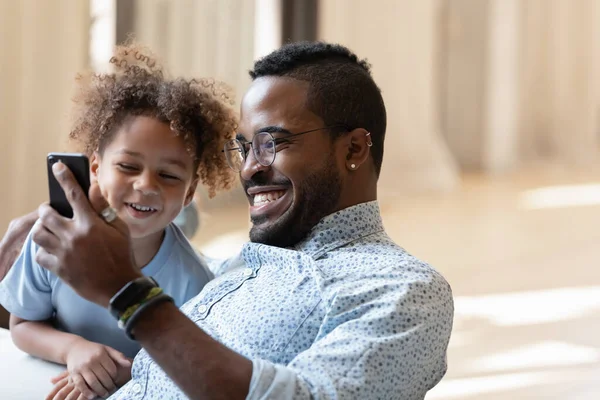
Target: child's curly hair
point(198, 110)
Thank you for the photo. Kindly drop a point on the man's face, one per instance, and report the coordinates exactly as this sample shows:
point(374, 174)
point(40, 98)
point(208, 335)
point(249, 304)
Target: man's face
point(288, 198)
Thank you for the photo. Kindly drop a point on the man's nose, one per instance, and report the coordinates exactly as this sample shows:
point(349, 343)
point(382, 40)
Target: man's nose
point(251, 167)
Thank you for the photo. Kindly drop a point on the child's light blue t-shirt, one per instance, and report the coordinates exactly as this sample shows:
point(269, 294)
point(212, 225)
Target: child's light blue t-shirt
point(33, 293)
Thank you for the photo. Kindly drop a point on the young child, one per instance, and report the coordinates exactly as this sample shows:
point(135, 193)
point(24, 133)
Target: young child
point(150, 140)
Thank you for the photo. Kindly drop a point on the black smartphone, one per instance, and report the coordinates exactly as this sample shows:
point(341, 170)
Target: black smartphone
point(80, 167)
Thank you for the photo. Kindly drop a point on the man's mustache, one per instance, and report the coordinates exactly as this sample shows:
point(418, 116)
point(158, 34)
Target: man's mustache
point(256, 181)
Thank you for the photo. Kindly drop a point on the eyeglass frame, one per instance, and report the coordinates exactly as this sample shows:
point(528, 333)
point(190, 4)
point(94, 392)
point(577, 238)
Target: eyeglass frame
point(275, 142)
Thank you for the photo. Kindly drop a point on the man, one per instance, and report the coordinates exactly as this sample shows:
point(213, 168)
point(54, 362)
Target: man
point(321, 303)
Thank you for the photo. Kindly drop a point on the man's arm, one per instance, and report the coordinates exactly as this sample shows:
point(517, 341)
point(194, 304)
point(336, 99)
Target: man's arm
point(202, 367)
point(385, 336)
point(13, 240)
point(95, 258)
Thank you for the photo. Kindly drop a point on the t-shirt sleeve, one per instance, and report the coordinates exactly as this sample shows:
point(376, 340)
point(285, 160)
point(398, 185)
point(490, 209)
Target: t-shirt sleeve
point(26, 291)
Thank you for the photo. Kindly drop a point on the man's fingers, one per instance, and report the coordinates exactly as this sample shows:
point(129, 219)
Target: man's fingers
point(43, 237)
point(97, 201)
point(99, 204)
point(75, 195)
point(51, 220)
point(60, 377)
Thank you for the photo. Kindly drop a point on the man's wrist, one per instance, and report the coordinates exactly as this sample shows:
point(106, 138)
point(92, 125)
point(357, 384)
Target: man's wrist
point(115, 285)
point(133, 292)
point(143, 310)
point(133, 299)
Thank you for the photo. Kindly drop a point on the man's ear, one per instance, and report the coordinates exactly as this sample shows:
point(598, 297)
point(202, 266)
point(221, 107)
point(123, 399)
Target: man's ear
point(189, 196)
point(358, 146)
point(94, 167)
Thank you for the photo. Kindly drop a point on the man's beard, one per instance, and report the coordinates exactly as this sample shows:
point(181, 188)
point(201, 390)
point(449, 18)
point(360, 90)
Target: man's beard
point(320, 193)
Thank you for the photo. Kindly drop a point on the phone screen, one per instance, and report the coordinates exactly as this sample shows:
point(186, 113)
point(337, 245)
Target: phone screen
point(80, 167)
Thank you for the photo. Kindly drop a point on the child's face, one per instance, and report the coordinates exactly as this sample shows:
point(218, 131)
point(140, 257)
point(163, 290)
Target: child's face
point(146, 174)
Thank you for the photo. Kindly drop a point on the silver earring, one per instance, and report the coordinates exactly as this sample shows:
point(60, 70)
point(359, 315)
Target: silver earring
point(353, 166)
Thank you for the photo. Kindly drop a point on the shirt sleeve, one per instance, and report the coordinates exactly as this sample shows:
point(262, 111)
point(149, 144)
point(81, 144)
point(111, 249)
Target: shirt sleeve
point(26, 291)
point(382, 339)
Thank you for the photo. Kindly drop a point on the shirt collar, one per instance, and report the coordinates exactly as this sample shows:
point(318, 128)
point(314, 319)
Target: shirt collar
point(341, 228)
point(333, 231)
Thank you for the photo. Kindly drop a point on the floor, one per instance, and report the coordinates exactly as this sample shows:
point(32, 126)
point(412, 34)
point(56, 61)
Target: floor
point(522, 257)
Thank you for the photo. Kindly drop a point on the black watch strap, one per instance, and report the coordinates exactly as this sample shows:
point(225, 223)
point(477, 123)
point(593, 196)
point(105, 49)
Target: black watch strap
point(130, 294)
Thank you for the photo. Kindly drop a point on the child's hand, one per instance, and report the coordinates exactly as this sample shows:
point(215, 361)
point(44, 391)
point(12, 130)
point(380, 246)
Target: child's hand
point(64, 390)
point(123, 373)
point(95, 368)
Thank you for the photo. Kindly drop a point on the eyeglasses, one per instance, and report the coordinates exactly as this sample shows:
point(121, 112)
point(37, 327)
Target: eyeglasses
point(264, 146)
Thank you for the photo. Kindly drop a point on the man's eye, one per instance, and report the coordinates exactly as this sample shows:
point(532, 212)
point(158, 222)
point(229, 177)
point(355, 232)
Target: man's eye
point(280, 141)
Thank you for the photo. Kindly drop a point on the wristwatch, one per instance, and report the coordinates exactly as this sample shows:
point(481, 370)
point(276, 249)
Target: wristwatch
point(132, 293)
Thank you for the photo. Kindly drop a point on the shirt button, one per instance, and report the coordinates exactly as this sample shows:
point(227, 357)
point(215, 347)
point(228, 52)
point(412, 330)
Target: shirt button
point(137, 388)
point(247, 271)
point(202, 308)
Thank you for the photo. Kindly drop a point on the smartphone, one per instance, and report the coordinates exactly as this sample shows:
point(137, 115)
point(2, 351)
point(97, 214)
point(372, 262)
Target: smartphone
point(80, 167)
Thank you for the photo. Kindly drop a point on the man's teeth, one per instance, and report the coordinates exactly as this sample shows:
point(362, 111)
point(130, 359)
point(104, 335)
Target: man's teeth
point(267, 197)
point(141, 208)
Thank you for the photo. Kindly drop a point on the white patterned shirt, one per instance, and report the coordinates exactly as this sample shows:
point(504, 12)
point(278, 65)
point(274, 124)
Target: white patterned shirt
point(345, 314)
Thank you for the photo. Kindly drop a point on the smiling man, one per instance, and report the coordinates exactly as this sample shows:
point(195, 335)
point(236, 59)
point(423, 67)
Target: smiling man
point(321, 304)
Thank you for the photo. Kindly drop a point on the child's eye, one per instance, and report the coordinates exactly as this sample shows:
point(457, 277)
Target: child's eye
point(168, 176)
point(127, 167)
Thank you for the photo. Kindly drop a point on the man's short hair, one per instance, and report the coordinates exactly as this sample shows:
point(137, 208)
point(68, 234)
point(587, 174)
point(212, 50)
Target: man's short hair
point(341, 88)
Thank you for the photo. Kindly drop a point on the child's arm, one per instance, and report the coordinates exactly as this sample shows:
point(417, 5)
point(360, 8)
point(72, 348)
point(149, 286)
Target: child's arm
point(94, 368)
point(41, 340)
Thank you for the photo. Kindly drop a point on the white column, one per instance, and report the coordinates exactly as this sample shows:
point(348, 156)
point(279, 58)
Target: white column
point(400, 39)
point(501, 110)
point(267, 31)
point(559, 85)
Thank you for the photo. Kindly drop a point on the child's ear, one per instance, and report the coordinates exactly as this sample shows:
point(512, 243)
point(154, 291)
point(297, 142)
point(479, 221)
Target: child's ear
point(94, 166)
point(191, 191)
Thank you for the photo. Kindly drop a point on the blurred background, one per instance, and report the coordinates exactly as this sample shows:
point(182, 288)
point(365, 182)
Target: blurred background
point(491, 163)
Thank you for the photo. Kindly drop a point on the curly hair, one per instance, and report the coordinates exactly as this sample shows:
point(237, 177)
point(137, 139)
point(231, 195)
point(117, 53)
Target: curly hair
point(341, 88)
point(199, 110)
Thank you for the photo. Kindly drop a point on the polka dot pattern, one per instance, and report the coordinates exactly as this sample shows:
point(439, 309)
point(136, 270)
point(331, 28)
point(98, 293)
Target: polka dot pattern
point(345, 314)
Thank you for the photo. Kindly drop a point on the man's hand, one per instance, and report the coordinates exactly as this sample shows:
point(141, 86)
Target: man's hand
point(92, 256)
point(12, 242)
